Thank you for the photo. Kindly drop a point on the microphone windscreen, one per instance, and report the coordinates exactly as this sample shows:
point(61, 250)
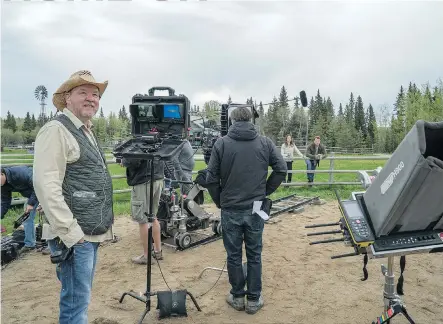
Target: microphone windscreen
point(303, 98)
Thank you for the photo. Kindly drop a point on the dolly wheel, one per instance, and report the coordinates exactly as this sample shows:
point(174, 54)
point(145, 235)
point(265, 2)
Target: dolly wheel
point(184, 240)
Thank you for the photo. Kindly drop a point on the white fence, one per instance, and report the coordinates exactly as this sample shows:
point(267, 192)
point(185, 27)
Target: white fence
point(198, 157)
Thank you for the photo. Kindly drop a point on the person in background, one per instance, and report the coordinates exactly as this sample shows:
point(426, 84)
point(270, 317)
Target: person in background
point(19, 179)
point(314, 152)
point(183, 165)
point(288, 150)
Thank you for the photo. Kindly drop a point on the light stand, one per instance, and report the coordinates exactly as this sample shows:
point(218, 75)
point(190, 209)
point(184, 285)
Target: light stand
point(393, 305)
point(147, 295)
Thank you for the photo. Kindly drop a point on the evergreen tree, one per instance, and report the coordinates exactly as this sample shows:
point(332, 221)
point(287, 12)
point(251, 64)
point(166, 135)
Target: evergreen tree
point(27, 124)
point(10, 122)
point(284, 111)
point(273, 124)
point(340, 111)
point(349, 110)
point(359, 117)
point(371, 125)
point(34, 122)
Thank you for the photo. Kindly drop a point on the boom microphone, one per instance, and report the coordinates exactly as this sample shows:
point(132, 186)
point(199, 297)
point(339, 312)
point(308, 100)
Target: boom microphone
point(303, 98)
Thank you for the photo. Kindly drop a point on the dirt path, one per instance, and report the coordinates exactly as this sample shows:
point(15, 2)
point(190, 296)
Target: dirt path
point(301, 284)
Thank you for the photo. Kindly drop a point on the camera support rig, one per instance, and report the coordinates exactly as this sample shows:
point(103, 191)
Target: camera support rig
point(159, 128)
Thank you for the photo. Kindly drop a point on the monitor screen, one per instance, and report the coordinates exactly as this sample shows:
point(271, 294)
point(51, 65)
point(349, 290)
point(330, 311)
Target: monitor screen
point(146, 110)
point(172, 111)
point(352, 209)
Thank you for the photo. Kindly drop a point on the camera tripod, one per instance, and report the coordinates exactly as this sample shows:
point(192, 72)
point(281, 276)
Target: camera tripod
point(393, 304)
point(147, 295)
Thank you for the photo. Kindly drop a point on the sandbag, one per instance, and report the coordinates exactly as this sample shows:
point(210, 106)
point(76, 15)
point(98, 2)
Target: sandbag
point(171, 304)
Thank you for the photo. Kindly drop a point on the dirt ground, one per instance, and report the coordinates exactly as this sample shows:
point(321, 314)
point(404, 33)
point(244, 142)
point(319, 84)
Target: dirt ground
point(301, 283)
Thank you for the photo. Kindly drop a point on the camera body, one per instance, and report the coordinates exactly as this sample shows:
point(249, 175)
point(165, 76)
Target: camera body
point(160, 115)
point(159, 124)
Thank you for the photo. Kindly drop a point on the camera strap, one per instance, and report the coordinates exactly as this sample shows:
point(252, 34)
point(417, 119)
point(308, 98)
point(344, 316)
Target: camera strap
point(365, 271)
point(401, 279)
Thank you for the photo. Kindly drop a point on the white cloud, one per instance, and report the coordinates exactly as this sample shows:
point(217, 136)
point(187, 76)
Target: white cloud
point(210, 50)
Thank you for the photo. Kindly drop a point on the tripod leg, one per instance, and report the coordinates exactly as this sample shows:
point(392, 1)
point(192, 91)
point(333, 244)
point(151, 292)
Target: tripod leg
point(143, 315)
point(122, 297)
point(405, 313)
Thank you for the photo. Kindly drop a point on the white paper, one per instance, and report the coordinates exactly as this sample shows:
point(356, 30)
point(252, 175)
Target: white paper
point(256, 208)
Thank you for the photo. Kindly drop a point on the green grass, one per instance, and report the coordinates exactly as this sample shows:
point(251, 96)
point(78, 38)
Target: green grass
point(122, 200)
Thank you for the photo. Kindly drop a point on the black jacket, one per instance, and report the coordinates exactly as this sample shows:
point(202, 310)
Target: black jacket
point(139, 171)
point(18, 179)
point(238, 168)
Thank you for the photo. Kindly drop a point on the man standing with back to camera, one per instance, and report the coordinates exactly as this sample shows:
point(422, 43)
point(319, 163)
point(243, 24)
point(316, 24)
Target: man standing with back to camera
point(236, 178)
point(74, 187)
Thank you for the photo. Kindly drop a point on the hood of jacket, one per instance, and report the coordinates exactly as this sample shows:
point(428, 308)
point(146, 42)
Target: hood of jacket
point(242, 131)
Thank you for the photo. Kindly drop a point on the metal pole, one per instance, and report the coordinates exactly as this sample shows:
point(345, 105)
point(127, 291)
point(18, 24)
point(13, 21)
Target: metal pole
point(389, 291)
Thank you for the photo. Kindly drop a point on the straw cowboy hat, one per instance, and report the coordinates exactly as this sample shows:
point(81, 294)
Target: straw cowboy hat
point(75, 80)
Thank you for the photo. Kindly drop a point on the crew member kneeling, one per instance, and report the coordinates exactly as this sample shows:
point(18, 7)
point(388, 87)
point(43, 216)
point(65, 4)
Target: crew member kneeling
point(237, 176)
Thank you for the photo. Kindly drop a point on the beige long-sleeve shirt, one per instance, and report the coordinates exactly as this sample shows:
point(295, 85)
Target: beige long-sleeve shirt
point(288, 152)
point(55, 147)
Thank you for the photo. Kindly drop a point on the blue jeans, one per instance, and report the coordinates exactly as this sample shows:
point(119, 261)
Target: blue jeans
point(76, 276)
point(239, 226)
point(311, 165)
point(30, 228)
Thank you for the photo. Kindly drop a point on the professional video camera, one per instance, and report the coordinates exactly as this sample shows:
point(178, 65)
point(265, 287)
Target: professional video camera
point(225, 122)
point(160, 125)
point(400, 213)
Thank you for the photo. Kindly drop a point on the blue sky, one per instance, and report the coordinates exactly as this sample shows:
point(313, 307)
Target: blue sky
point(213, 49)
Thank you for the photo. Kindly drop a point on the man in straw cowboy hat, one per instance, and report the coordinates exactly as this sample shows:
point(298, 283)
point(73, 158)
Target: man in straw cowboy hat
point(74, 188)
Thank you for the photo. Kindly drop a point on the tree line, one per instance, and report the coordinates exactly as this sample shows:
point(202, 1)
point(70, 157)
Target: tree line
point(23, 131)
point(352, 124)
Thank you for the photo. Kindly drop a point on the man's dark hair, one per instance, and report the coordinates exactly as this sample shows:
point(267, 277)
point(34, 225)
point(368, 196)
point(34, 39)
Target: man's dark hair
point(241, 114)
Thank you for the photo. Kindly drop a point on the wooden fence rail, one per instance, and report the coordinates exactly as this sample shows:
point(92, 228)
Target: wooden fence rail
point(198, 157)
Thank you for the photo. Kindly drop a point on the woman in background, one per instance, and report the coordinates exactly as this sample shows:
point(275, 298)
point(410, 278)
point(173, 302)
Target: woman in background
point(288, 149)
